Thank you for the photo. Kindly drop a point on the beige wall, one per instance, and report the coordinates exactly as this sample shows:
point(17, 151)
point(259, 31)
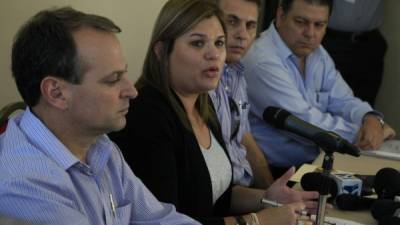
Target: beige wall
point(388, 100)
point(135, 17)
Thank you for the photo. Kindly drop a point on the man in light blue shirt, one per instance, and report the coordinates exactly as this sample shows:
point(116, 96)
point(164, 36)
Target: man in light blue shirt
point(57, 165)
point(230, 98)
point(288, 68)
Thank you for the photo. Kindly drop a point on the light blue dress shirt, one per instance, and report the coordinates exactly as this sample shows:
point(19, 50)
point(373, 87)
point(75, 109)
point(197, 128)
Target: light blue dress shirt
point(233, 85)
point(42, 182)
point(320, 96)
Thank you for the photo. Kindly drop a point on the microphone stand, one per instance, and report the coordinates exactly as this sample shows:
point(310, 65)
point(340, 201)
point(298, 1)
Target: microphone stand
point(327, 165)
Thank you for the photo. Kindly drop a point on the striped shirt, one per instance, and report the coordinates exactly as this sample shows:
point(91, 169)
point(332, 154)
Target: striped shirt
point(42, 182)
point(233, 86)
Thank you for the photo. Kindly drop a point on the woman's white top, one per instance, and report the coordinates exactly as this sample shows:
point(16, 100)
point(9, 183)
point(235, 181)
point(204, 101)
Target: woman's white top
point(219, 167)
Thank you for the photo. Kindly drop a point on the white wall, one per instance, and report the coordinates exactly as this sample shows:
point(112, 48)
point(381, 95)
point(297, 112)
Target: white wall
point(135, 17)
point(388, 100)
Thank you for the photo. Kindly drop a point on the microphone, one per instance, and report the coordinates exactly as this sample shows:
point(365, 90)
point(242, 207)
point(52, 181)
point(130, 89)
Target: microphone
point(329, 141)
point(338, 183)
point(385, 207)
point(353, 202)
point(313, 181)
point(387, 183)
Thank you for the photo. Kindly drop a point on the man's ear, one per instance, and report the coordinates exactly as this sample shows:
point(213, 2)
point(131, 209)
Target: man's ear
point(54, 92)
point(158, 49)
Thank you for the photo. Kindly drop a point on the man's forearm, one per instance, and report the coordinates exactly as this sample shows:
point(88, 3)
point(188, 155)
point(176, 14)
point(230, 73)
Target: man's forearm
point(261, 173)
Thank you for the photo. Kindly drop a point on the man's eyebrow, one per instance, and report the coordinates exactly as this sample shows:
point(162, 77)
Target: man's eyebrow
point(233, 16)
point(119, 72)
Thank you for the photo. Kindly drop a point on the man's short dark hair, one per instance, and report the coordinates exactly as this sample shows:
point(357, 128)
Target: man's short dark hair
point(45, 46)
point(287, 4)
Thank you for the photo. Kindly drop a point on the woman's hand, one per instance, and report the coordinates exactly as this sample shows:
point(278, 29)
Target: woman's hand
point(283, 215)
point(281, 193)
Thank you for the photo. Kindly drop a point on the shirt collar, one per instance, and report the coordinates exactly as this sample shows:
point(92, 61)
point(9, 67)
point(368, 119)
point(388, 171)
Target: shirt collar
point(50, 145)
point(238, 66)
point(283, 49)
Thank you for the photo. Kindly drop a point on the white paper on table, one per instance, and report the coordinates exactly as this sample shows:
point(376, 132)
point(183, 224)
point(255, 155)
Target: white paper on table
point(339, 221)
point(390, 149)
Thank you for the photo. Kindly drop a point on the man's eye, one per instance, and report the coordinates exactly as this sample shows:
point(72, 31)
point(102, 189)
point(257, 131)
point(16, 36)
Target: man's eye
point(251, 26)
point(320, 25)
point(232, 22)
point(113, 80)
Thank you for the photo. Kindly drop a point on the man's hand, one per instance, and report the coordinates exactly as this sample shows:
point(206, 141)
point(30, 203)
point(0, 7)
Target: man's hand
point(388, 132)
point(371, 135)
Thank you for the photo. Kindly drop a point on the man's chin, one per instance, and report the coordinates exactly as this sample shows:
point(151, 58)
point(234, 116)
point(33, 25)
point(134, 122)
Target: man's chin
point(233, 58)
point(118, 126)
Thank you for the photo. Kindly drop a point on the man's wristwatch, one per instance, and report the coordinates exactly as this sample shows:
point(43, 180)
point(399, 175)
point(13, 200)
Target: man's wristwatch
point(381, 121)
point(378, 116)
point(240, 220)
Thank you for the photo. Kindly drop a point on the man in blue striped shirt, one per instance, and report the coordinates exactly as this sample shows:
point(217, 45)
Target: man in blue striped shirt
point(230, 99)
point(57, 165)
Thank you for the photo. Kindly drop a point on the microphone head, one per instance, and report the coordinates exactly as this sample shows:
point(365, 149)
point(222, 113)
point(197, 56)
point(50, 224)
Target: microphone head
point(387, 183)
point(353, 202)
point(384, 207)
point(389, 220)
point(313, 181)
point(275, 116)
point(332, 142)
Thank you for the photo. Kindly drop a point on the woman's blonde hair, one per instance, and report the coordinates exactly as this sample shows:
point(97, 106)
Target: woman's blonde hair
point(175, 19)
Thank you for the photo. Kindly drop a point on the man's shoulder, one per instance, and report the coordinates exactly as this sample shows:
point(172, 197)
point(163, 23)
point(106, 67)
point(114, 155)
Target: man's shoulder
point(263, 51)
point(21, 158)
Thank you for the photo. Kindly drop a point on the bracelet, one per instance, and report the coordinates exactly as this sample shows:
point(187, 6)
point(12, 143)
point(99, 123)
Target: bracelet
point(254, 219)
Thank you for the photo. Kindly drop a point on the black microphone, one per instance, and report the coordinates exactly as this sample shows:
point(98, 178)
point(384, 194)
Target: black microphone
point(328, 141)
point(387, 183)
point(389, 220)
point(353, 202)
point(385, 207)
point(313, 181)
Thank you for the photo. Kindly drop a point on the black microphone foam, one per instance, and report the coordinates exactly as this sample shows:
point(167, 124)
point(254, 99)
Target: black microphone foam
point(313, 182)
point(328, 141)
point(389, 220)
point(387, 183)
point(384, 207)
point(353, 202)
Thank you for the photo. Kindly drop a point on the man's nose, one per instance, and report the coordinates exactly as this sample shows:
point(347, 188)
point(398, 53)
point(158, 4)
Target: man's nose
point(129, 90)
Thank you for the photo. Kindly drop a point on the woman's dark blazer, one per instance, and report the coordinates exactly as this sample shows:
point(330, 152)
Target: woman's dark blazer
point(168, 159)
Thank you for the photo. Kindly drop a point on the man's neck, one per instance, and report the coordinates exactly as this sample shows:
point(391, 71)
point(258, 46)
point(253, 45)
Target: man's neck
point(76, 141)
point(302, 65)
